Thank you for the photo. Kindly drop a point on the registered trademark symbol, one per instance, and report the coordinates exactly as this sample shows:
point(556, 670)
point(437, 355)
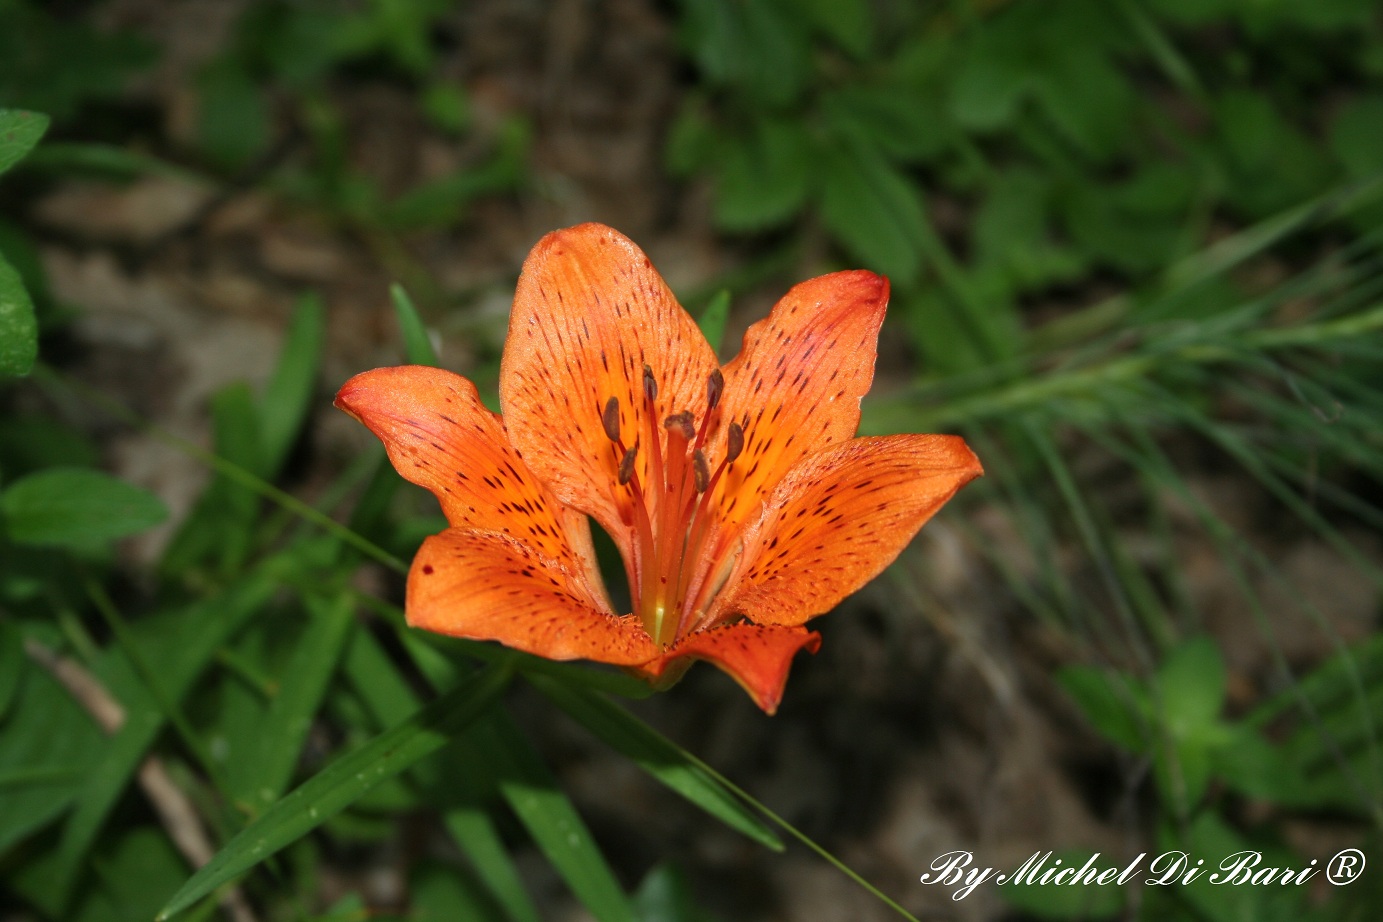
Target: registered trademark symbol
point(1345, 867)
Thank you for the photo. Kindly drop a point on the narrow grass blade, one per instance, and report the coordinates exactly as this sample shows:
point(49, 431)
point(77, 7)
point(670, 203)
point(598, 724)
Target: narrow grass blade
point(535, 797)
point(417, 346)
point(289, 392)
point(713, 318)
point(655, 754)
point(473, 829)
point(347, 779)
point(390, 699)
point(305, 681)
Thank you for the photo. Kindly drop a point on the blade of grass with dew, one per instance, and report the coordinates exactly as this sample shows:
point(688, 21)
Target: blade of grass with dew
point(289, 392)
point(389, 698)
point(536, 798)
point(655, 754)
point(306, 677)
point(500, 756)
point(344, 781)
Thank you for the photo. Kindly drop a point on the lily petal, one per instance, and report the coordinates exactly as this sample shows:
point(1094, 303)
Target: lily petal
point(589, 313)
point(441, 437)
point(758, 657)
point(796, 385)
point(838, 519)
point(484, 585)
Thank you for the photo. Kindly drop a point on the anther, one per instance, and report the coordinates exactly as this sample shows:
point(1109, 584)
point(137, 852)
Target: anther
point(610, 419)
point(715, 386)
point(650, 387)
point(701, 471)
point(626, 465)
point(681, 422)
point(734, 442)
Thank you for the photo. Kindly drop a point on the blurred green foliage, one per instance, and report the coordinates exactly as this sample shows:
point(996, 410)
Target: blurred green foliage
point(1120, 233)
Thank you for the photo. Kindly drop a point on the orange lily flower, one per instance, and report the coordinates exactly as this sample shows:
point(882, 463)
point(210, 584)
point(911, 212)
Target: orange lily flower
point(739, 497)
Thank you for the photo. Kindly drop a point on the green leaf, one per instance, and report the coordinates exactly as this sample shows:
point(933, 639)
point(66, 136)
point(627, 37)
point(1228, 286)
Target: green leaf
point(417, 345)
point(389, 698)
point(18, 326)
point(447, 106)
point(665, 896)
point(106, 161)
point(233, 120)
point(284, 727)
point(874, 211)
point(290, 390)
point(848, 23)
point(1251, 766)
point(127, 876)
point(442, 893)
point(1113, 707)
point(655, 754)
point(760, 48)
point(11, 665)
point(1356, 137)
point(201, 631)
point(343, 782)
point(900, 122)
point(76, 508)
point(47, 744)
point(536, 798)
point(19, 132)
point(1191, 687)
point(220, 530)
point(761, 177)
point(475, 832)
point(713, 318)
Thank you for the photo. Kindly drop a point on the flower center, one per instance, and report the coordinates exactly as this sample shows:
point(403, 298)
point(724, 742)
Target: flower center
point(680, 559)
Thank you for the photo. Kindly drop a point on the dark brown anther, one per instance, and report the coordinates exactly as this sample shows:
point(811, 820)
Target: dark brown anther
point(683, 423)
point(610, 419)
point(650, 387)
point(701, 471)
point(715, 386)
point(626, 466)
point(734, 442)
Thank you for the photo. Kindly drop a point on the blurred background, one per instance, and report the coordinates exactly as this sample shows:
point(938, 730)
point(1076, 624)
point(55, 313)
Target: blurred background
point(1135, 255)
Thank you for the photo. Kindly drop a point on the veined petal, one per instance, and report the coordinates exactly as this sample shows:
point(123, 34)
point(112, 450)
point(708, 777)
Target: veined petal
point(837, 519)
point(484, 585)
point(756, 656)
point(440, 436)
point(589, 313)
point(796, 385)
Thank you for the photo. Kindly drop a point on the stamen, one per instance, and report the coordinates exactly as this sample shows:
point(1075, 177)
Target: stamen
point(610, 419)
point(650, 386)
point(734, 443)
point(715, 386)
point(701, 471)
point(626, 464)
